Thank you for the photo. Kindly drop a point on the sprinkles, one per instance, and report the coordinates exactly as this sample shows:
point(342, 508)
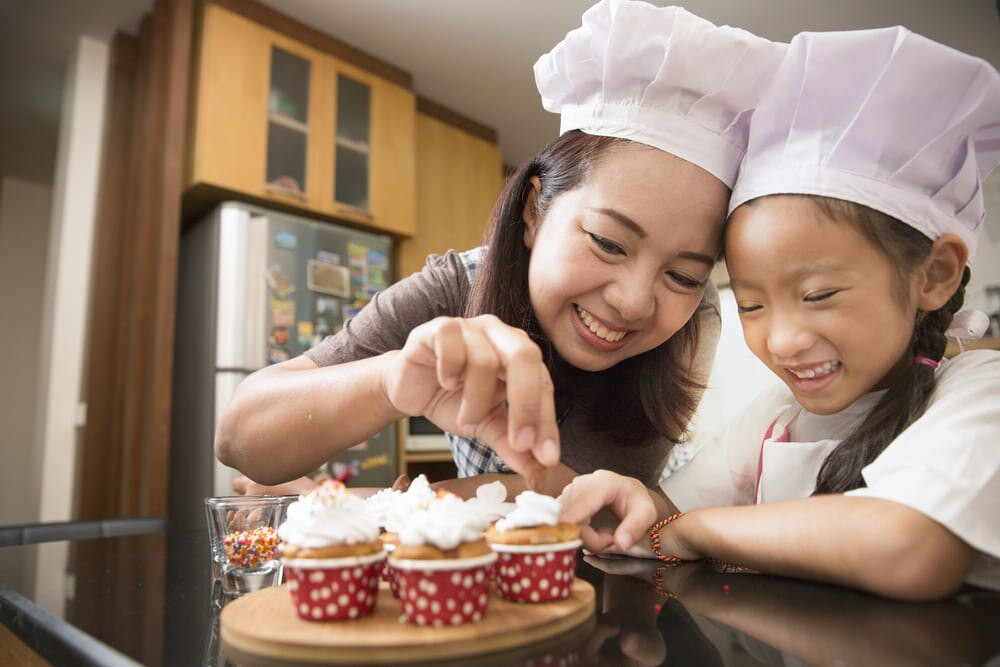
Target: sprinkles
point(250, 548)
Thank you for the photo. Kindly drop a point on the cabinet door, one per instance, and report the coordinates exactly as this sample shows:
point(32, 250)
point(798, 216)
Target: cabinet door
point(458, 180)
point(372, 151)
point(256, 111)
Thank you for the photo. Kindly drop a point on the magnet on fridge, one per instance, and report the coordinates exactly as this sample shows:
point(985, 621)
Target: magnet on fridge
point(279, 335)
point(276, 355)
point(327, 257)
point(282, 312)
point(286, 240)
point(305, 331)
point(279, 283)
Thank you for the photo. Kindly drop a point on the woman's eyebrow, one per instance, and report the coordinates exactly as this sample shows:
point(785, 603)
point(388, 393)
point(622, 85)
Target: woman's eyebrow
point(622, 219)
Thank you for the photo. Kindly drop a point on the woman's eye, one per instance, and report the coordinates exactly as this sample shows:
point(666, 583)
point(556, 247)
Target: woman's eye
point(685, 281)
point(607, 246)
point(746, 309)
point(821, 296)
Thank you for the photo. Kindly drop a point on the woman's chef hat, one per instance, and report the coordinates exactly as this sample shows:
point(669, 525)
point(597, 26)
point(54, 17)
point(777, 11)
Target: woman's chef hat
point(660, 76)
point(884, 118)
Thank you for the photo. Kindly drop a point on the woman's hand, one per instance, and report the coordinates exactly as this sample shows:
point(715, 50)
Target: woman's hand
point(634, 506)
point(478, 377)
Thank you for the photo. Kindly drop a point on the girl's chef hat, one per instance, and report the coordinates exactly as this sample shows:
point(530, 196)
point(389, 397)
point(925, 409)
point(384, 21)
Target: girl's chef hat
point(884, 118)
point(660, 76)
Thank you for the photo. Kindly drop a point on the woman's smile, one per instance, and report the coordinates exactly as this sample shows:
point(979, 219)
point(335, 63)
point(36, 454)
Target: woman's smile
point(597, 333)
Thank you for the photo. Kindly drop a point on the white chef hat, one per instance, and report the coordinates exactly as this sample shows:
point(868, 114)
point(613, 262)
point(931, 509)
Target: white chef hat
point(884, 118)
point(660, 76)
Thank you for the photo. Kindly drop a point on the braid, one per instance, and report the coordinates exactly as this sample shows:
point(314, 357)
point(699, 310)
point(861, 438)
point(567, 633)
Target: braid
point(908, 396)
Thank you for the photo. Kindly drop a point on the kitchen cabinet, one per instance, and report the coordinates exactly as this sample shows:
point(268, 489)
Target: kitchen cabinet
point(459, 176)
point(284, 122)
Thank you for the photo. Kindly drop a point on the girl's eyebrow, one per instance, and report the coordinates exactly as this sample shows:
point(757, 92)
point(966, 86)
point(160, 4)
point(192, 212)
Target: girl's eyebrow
point(631, 224)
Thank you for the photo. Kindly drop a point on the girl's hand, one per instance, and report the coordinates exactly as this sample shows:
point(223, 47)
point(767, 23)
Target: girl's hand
point(631, 503)
point(478, 377)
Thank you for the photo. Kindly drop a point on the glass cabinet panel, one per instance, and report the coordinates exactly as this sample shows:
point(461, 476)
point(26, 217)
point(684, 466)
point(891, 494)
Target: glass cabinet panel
point(288, 122)
point(351, 164)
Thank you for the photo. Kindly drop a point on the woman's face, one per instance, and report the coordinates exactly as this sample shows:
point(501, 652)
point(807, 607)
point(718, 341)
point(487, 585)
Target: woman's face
point(619, 264)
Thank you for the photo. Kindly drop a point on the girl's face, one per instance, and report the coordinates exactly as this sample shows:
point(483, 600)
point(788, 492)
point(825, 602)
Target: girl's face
point(820, 304)
point(618, 265)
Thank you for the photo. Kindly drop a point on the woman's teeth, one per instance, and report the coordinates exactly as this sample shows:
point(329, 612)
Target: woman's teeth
point(597, 329)
point(816, 371)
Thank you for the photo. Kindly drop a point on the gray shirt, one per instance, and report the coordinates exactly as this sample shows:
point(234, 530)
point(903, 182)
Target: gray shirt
point(441, 289)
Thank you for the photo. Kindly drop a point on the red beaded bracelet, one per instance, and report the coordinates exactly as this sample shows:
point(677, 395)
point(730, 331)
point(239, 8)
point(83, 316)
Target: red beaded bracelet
point(654, 539)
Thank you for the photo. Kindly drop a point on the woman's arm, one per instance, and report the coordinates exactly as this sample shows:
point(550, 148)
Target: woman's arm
point(876, 545)
point(288, 419)
point(550, 482)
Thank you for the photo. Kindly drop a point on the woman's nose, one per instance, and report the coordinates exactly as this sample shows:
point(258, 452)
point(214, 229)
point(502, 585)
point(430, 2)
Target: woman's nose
point(633, 299)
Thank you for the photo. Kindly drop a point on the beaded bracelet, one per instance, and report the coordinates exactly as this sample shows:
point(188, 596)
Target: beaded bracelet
point(654, 539)
point(658, 583)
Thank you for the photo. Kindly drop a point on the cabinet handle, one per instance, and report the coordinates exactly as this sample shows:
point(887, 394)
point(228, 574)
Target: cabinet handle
point(285, 192)
point(353, 210)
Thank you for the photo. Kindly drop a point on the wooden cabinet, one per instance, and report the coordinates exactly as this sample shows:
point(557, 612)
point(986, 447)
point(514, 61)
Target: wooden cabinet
point(284, 122)
point(459, 176)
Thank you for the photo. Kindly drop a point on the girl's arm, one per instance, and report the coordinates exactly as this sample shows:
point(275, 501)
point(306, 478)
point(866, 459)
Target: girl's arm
point(876, 545)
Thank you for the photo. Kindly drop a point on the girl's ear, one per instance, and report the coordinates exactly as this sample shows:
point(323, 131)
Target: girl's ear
point(530, 212)
point(942, 272)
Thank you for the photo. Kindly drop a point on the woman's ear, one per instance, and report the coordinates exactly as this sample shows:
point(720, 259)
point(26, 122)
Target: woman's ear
point(530, 212)
point(942, 272)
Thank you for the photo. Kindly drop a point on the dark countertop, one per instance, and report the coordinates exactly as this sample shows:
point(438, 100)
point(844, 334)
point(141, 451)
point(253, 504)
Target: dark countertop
point(150, 598)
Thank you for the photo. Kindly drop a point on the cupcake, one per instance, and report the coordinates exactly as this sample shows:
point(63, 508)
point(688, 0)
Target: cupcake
point(537, 553)
point(332, 554)
point(392, 508)
point(442, 564)
point(490, 501)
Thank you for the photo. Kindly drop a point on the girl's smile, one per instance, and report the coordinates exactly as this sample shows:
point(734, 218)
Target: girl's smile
point(830, 318)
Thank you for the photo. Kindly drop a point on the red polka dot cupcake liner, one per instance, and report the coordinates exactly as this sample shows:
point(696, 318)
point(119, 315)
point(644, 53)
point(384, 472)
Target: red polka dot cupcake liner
point(334, 589)
point(535, 573)
point(443, 592)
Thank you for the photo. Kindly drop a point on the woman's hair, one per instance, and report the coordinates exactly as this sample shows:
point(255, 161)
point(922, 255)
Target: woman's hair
point(907, 397)
point(650, 394)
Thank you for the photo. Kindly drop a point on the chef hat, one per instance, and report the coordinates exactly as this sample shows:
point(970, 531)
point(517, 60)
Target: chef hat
point(884, 118)
point(660, 76)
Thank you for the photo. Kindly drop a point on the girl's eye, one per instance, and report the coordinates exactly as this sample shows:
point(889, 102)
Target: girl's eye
point(685, 281)
point(821, 296)
point(604, 244)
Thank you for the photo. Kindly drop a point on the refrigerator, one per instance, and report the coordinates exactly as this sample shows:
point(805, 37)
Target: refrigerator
point(256, 287)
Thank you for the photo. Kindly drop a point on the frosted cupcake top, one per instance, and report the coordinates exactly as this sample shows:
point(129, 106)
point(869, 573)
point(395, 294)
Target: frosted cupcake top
point(398, 509)
point(446, 522)
point(532, 509)
point(328, 515)
point(490, 501)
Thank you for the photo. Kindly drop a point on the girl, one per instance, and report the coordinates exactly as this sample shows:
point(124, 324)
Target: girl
point(854, 215)
point(586, 310)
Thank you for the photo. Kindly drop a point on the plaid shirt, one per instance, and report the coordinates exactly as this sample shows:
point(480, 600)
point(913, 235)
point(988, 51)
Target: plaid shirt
point(473, 457)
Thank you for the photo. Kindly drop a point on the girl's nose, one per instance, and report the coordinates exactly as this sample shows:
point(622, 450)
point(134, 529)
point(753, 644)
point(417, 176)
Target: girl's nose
point(786, 337)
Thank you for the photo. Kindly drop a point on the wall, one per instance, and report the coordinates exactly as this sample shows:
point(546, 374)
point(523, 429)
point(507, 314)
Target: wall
point(24, 233)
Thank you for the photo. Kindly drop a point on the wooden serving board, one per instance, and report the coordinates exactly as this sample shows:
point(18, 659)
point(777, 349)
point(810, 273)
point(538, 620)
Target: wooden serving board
point(264, 625)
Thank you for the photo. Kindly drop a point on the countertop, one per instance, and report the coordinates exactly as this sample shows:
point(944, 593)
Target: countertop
point(149, 598)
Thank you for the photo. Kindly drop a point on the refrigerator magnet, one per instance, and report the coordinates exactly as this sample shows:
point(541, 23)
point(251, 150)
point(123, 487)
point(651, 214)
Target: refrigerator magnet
point(276, 355)
point(279, 283)
point(328, 278)
point(282, 312)
point(286, 240)
point(305, 331)
point(279, 335)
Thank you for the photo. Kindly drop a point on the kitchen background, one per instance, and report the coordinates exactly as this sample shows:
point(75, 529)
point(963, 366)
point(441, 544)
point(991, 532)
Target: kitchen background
point(451, 96)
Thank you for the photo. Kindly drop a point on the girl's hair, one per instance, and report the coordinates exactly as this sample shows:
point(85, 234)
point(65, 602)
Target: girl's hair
point(650, 394)
point(907, 397)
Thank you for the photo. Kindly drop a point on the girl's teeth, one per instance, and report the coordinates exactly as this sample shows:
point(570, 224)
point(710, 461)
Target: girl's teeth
point(597, 329)
point(816, 371)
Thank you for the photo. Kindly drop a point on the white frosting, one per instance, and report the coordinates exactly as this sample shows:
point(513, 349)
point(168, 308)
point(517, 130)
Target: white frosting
point(490, 501)
point(326, 516)
point(445, 522)
point(380, 504)
point(401, 507)
point(533, 509)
